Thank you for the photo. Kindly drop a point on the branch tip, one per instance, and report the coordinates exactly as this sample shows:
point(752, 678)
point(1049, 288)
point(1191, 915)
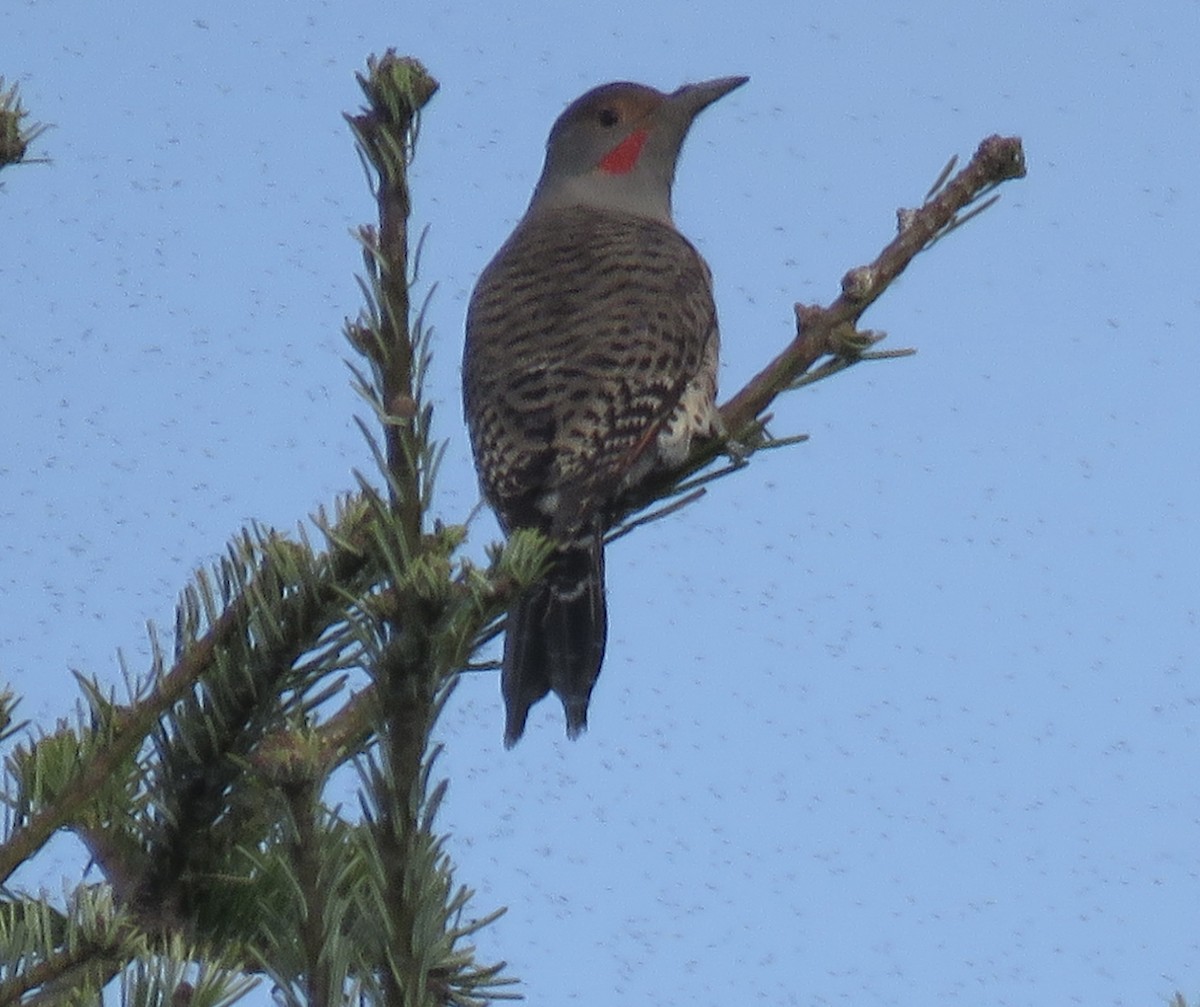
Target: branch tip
point(1004, 157)
point(397, 87)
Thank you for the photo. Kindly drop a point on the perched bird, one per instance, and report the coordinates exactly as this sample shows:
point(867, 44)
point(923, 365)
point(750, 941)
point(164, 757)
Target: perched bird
point(590, 360)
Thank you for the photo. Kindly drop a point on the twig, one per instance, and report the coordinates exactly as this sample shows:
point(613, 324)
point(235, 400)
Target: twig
point(621, 530)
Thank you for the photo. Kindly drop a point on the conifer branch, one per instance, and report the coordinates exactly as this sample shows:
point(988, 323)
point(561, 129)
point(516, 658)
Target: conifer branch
point(386, 130)
point(411, 632)
point(15, 137)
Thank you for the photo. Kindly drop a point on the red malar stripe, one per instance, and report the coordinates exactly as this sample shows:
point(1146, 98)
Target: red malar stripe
point(622, 158)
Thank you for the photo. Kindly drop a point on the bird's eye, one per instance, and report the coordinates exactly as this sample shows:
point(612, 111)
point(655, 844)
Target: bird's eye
point(608, 116)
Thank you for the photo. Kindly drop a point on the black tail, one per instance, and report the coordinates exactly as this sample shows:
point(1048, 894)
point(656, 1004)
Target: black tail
point(555, 638)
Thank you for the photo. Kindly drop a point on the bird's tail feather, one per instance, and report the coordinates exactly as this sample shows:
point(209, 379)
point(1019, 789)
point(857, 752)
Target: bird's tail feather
point(555, 637)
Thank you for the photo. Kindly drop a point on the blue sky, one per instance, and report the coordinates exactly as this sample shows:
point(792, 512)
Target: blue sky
point(906, 714)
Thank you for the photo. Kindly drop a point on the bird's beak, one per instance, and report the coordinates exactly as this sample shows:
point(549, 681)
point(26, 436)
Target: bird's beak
point(692, 99)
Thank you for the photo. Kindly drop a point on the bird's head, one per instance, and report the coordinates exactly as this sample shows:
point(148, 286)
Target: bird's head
point(616, 146)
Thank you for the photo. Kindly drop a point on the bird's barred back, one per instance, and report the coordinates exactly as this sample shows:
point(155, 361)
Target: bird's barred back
point(583, 334)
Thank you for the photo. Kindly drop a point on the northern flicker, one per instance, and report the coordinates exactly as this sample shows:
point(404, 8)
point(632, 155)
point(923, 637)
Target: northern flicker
point(590, 360)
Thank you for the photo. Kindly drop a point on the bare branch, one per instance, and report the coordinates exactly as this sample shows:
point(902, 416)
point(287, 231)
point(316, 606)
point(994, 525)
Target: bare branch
point(831, 330)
